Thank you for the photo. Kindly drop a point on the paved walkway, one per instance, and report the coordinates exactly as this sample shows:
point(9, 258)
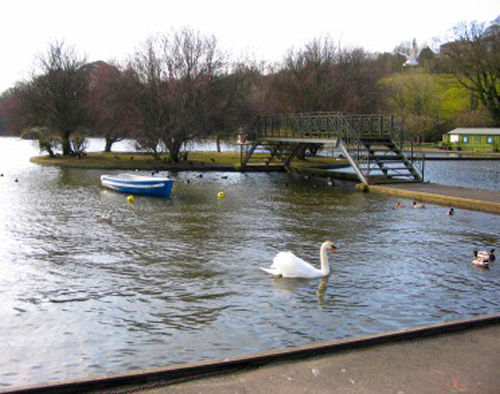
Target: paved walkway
point(451, 196)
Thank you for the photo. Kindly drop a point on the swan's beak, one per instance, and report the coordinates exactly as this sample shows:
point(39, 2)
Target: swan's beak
point(334, 249)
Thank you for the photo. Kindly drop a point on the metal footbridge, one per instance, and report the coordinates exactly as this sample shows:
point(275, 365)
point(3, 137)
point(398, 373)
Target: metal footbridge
point(377, 147)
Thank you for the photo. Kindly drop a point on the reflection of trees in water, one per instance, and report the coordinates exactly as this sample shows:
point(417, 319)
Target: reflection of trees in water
point(310, 212)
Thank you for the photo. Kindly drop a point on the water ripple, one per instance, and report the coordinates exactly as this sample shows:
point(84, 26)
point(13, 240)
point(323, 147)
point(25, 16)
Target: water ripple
point(177, 280)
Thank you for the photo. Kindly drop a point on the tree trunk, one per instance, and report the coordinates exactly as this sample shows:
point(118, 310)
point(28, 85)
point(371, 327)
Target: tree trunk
point(217, 141)
point(109, 144)
point(174, 152)
point(495, 113)
point(301, 155)
point(174, 148)
point(66, 145)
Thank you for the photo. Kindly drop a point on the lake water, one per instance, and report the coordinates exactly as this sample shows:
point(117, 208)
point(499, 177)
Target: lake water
point(178, 280)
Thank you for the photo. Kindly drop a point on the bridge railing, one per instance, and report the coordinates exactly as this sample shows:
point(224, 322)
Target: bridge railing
point(324, 124)
point(299, 125)
point(351, 128)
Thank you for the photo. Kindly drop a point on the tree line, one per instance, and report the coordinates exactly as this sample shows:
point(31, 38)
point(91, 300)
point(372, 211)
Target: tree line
point(182, 86)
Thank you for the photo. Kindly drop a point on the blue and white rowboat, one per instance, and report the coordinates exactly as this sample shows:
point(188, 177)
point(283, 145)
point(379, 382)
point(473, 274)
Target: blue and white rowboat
point(138, 184)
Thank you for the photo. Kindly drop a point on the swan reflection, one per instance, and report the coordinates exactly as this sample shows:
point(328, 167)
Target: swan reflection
point(286, 287)
point(323, 285)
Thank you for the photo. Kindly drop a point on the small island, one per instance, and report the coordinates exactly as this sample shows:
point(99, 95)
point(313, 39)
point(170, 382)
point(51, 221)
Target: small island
point(196, 161)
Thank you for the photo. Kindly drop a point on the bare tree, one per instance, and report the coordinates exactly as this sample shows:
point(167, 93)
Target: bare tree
point(195, 65)
point(182, 85)
point(306, 81)
point(474, 60)
point(149, 94)
point(54, 96)
point(324, 77)
point(11, 121)
point(111, 115)
point(235, 101)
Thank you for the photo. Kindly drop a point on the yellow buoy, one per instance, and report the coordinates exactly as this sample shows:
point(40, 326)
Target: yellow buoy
point(130, 199)
point(221, 195)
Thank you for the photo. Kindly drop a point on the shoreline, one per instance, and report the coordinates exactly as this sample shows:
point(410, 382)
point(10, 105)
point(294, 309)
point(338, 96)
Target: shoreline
point(434, 353)
point(215, 161)
point(228, 161)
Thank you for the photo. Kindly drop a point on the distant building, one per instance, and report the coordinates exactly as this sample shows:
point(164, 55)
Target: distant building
point(473, 138)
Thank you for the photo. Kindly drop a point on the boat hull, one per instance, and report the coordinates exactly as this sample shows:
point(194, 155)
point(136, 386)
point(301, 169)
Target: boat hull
point(138, 184)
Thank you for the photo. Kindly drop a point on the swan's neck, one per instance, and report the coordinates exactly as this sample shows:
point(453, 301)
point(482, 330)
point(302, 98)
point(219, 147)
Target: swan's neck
point(325, 267)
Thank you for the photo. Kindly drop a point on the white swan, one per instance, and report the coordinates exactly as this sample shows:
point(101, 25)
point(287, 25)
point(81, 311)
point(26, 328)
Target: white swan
point(287, 265)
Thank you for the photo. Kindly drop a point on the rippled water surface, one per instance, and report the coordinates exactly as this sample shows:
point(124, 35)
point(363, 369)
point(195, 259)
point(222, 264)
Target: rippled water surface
point(484, 174)
point(177, 280)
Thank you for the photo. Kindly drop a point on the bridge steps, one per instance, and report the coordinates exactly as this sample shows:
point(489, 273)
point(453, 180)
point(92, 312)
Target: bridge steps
point(386, 163)
point(377, 147)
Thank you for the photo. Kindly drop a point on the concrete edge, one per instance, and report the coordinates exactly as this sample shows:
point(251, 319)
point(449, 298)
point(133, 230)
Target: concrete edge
point(173, 374)
point(459, 202)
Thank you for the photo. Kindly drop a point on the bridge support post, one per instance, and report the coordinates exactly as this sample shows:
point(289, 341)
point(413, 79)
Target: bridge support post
point(353, 163)
point(249, 154)
point(292, 156)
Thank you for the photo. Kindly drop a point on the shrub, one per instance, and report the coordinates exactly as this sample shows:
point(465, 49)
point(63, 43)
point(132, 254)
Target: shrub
point(79, 144)
point(444, 145)
point(47, 140)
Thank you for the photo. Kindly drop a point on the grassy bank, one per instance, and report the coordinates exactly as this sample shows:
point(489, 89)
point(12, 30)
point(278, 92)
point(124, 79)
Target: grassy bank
point(204, 161)
point(196, 161)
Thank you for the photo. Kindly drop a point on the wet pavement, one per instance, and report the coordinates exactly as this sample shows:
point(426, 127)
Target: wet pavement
point(451, 196)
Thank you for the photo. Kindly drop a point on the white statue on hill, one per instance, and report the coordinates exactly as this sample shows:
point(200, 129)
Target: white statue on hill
point(412, 55)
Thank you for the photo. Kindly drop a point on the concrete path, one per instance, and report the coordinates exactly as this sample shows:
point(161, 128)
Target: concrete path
point(450, 196)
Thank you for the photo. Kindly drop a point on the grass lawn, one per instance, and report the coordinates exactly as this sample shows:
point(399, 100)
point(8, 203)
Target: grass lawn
point(197, 160)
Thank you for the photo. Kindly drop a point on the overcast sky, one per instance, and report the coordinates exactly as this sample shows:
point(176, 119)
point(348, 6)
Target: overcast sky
point(265, 30)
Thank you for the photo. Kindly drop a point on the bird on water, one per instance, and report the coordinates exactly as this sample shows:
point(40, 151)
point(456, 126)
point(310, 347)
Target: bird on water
point(418, 205)
point(287, 265)
point(483, 258)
